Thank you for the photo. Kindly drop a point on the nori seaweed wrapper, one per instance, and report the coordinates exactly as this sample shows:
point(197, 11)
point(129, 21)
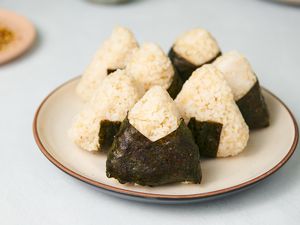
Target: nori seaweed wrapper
point(184, 67)
point(176, 85)
point(207, 136)
point(134, 158)
point(107, 132)
point(254, 109)
point(109, 71)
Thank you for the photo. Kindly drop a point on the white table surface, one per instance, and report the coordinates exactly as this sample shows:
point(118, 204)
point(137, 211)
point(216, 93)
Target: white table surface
point(33, 191)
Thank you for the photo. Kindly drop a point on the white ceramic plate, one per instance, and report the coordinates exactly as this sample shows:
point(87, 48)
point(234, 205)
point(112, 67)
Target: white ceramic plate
point(267, 151)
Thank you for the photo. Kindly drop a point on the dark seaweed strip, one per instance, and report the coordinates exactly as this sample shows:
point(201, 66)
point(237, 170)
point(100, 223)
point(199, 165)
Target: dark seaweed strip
point(213, 59)
point(109, 71)
point(184, 67)
point(207, 136)
point(107, 132)
point(134, 158)
point(175, 86)
point(253, 108)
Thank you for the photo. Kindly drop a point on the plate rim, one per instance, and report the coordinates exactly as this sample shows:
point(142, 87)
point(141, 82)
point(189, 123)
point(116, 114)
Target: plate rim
point(131, 193)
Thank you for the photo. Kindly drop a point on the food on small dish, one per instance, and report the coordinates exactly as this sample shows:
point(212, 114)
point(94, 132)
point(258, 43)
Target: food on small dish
point(112, 55)
point(154, 146)
point(150, 66)
point(192, 50)
point(95, 126)
point(7, 36)
point(17, 35)
point(245, 88)
point(207, 105)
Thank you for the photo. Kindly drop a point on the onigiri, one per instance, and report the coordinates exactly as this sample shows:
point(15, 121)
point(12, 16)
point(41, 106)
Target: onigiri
point(113, 54)
point(207, 104)
point(94, 127)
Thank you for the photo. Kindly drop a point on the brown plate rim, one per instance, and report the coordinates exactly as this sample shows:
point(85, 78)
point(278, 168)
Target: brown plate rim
point(161, 196)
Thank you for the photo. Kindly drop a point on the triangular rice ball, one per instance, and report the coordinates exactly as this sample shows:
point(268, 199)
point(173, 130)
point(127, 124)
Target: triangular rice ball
point(207, 104)
point(154, 146)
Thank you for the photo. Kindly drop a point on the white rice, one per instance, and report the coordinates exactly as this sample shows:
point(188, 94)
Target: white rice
point(114, 98)
point(197, 46)
point(207, 97)
point(155, 115)
point(91, 80)
point(113, 54)
point(237, 72)
point(150, 66)
point(118, 49)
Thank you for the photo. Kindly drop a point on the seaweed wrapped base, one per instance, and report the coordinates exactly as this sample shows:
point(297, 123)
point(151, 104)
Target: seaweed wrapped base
point(184, 67)
point(111, 71)
point(175, 86)
point(207, 136)
point(133, 158)
point(254, 109)
point(107, 132)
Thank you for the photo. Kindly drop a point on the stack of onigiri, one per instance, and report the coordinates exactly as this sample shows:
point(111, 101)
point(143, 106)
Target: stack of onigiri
point(154, 115)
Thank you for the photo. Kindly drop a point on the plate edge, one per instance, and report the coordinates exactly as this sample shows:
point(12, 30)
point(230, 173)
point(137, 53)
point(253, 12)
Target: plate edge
point(162, 196)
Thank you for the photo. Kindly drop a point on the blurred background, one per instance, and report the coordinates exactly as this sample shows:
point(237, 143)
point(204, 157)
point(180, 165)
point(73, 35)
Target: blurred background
point(69, 32)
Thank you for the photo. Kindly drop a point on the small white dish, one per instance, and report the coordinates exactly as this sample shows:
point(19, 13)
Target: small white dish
point(268, 150)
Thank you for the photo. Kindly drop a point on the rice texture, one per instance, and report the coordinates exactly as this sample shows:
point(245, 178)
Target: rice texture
point(197, 46)
point(207, 97)
point(237, 72)
point(150, 66)
point(117, 50)
point(113, 54)
point(91, 80)
point(155, 115)
point(114, 98)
